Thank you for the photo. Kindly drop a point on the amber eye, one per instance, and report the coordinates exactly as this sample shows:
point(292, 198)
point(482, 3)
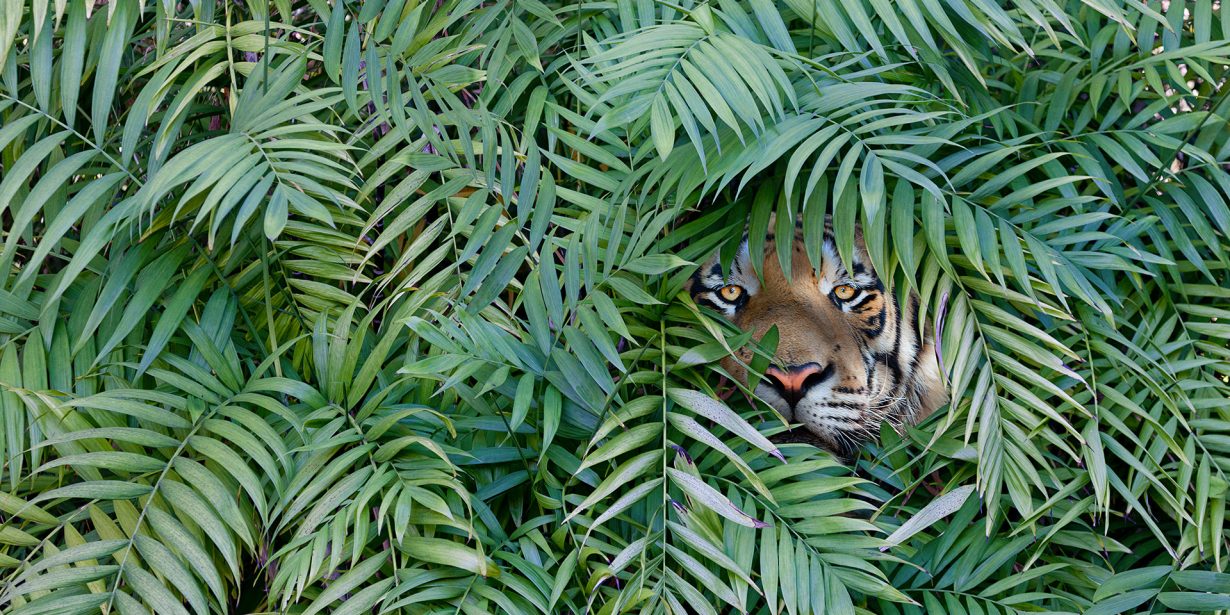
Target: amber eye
point(731, 292)
point(845, 292)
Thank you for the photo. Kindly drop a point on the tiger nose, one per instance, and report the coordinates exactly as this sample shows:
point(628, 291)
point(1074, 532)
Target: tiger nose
point(793, 382)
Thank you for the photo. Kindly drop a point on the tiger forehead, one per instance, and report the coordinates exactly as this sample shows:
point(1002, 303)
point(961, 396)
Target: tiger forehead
point(799, 237)
point(832, 269)
point(769, 276)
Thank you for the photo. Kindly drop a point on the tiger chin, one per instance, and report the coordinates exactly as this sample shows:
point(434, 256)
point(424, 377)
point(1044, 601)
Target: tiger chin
point(849, 356)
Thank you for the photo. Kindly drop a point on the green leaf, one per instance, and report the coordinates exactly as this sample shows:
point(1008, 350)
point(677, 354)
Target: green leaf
point(448, 553)
point(1188, 601)
point(720, 413)
point(935, 510)
point(711, 498)
point(624, 474)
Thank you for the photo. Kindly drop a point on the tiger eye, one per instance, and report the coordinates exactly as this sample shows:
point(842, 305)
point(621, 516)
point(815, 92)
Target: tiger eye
point(731, 292)
point(845, 292)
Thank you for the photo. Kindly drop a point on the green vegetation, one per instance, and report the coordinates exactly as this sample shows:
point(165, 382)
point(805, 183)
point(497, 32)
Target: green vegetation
point(376, 306)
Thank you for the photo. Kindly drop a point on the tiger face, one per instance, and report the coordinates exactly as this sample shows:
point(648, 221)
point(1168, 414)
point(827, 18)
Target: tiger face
point(849, 356)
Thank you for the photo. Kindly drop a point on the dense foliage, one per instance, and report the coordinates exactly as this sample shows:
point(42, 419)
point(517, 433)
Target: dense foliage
point(377, 306)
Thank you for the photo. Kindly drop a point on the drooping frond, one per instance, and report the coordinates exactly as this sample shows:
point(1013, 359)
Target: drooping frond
point(368, 307)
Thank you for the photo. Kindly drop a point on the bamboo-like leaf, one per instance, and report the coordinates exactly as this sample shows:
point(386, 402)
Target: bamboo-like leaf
point(386, 299)
point(934, 511)
point(712, 499)
point(721, 414)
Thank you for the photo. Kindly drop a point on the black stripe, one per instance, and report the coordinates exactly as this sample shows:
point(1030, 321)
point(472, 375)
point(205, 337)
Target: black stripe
point(697, 286)
point(867, 297)
point(897, 332)
point(914, 319)
point(877, 324)
point(890, 359)
point(846, 405)
point(918, 335)
point(698, 280)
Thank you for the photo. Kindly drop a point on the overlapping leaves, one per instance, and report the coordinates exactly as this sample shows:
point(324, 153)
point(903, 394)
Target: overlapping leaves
point(376, 306)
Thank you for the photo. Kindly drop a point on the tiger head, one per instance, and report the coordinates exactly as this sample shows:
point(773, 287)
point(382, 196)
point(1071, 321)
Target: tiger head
point(849, 355)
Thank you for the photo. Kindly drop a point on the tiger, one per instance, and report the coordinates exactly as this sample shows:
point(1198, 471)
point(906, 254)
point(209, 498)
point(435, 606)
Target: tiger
point(849, 355)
